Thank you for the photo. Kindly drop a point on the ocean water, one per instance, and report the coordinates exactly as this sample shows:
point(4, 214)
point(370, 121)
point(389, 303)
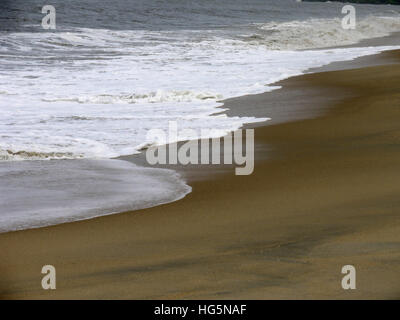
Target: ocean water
point(112, 70)
point(36, 193)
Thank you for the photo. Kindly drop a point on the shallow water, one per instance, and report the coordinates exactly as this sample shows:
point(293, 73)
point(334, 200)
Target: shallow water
point(37, 193)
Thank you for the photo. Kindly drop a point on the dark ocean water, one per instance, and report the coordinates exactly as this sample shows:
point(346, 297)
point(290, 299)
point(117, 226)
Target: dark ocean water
point(25, 15)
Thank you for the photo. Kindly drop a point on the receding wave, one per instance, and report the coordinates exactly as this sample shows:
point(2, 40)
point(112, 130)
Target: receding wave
point(34, 195)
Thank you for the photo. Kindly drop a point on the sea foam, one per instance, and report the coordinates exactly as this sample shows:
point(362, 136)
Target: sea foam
point(95, 93)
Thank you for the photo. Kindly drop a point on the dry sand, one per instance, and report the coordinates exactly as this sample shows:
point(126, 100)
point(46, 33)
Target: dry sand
point(327, 195)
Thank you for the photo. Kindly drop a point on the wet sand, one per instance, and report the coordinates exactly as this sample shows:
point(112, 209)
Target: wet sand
point(324, 193)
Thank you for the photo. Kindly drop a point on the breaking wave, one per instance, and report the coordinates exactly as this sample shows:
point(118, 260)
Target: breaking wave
point(152, 97)
point(320, 33)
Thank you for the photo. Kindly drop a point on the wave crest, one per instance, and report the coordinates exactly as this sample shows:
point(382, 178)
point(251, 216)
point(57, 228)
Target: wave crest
point(151, 97)
point(320, 33)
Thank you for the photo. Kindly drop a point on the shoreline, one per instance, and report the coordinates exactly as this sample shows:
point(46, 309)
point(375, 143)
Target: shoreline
point(309, 208)
point(289, 103)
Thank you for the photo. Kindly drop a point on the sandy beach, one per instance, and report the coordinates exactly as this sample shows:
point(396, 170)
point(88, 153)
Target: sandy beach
point(324, 194)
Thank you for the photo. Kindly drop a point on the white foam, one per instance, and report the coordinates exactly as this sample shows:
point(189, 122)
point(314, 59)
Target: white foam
point(320, 33)
point(96, 93)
